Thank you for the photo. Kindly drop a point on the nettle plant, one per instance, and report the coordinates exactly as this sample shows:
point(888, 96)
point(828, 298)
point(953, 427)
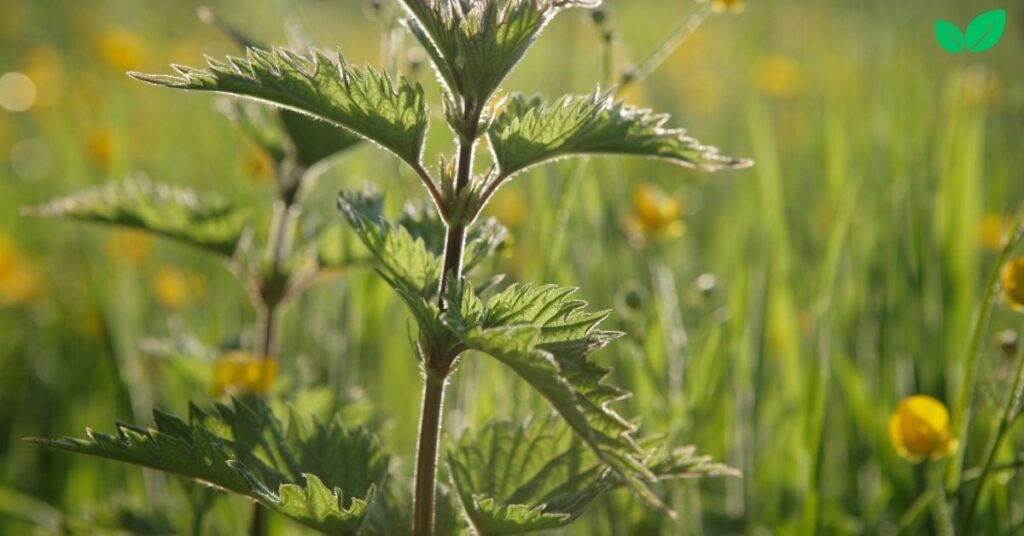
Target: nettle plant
point(275, 263)
point(507, 478)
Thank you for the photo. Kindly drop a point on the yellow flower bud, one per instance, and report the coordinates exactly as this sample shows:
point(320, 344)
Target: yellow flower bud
point(240, 372)
point(919, 429)
point(1013, 283)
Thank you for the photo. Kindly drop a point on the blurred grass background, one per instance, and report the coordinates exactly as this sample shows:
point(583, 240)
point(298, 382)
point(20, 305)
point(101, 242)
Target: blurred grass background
point(805, 298)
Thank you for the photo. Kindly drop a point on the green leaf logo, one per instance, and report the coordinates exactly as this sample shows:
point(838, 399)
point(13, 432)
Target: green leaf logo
point(982, 33)
point(949, 36)
point(985, 31)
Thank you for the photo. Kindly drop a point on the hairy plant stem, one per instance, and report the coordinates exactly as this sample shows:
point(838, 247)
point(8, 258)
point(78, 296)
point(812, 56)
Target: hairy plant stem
point(1005, 421)
point(426, 455)
point(279, 247)
point(437, 367)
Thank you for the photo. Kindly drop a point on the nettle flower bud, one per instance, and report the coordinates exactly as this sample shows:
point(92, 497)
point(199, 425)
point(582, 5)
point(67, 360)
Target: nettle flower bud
point(919, 429)
point(1013, 283)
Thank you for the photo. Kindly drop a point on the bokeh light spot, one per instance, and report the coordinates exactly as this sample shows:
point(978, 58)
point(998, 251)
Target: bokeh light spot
point(17, 92)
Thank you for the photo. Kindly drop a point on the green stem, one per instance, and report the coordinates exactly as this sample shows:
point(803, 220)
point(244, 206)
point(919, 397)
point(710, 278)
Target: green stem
point(940, 507)
point(437, 367)
point(668, 46)
point(426, 455)
point(962, 415)
point(1005, 421)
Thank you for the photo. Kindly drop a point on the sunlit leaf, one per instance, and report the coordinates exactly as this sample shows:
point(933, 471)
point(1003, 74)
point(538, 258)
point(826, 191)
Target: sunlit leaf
point(475, 44)
point(547, 338)
point(529, 132)
point(361, 100)
point(514, 479)
point(325, 477)
point(204, 221)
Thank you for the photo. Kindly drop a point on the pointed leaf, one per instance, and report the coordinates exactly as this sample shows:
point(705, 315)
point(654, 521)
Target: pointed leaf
point(474, 45)
point(546, 339)
point(361, 100)
point(985, 30)
point(404, 259)
point(513, 479)
point(203, 221)
point(325, 479)
point(530, 132)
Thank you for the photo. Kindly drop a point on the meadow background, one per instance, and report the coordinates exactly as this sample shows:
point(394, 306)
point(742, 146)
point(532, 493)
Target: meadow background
point(805, 298)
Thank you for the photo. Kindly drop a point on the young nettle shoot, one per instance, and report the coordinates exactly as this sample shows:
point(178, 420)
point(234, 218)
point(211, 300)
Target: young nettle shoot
point(330, 478)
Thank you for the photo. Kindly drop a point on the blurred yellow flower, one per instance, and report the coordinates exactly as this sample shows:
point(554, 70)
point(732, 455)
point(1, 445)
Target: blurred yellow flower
point(175, 289)
point(656, 215)
point(509, 207)
point(129, 246)
point(43, 65)
point(919, 429)
point(732, 6)
point(779, 77)
point(1013, 283)
point(240, 372)
point(994, 231)
point(122, 50)
point(20, 280)
point(980, 86)
point(99, 146)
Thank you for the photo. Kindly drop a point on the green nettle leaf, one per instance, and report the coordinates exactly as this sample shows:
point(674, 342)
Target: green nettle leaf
point(409, 254)
point(529, 132)
point(178, 213)
point(483, 239)
point(547, 338)
point(985, 30)
point(326, 477)
point(475, 44)
point(405, 261)
point(410, 250)
point(949, 36)
point(361, 100)
point(514, 479)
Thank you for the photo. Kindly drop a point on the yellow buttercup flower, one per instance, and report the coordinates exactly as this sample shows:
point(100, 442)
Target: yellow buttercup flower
point(175, 289)
point(994, 231)
point(919, 429)
point(1013, 283)
point(20, 281)
point(240, 372)
point(122, 50)
point(779, 77)
point(656, 215)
